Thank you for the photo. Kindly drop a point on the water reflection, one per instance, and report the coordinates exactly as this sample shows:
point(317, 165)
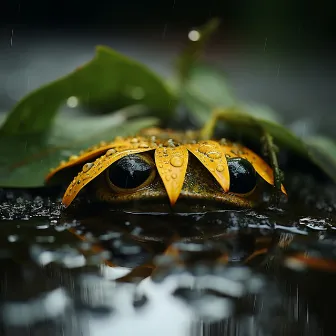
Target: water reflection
point(199, 273)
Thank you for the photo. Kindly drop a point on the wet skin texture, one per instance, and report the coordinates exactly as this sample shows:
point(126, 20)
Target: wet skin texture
point(169, 166)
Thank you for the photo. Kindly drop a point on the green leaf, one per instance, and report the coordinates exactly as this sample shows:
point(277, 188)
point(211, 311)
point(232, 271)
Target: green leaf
point(318, 149)
point(25, 160)
point(207, 88)
point(250, 125)
point(109, 76)
point(260, 111)
point(322, 151)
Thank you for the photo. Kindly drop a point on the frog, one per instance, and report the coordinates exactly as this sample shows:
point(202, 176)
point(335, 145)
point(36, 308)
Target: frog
point(168, 165)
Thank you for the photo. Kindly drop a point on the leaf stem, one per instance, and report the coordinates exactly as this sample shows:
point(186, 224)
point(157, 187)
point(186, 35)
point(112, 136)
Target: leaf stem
point(272, 154)
point(218, 114)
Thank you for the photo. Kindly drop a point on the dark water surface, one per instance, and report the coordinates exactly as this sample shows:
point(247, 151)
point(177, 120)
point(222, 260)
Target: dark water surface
point(113, 272)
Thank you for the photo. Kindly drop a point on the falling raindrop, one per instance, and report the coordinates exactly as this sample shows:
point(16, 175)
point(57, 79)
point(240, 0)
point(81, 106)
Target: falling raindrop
point(11, 38)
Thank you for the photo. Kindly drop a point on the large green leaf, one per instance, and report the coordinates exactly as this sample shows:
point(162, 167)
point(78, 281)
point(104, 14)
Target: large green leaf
point(110, 76)
point(251, 125)
point(26, 160)
point(208, 88)
point(33, 138)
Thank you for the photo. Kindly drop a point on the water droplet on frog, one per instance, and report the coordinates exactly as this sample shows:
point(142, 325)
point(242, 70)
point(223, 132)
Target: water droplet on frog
point(176, 161)
point(214, 155)
point(143, 145)
point(134, 140)
point(160, 165)
point(220, 168)
point(78, 181)
point(205, 148)
point(110, 152)
point(170, 143)
point(73, 157)
point(87, 166)
point(174, 176)
point(167, 178)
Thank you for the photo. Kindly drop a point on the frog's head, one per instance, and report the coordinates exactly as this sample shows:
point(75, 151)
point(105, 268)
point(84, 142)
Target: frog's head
point(169, 166)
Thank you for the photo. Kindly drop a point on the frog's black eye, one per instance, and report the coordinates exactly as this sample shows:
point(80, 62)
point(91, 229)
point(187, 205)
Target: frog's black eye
point(243, 177)
point(130, 173)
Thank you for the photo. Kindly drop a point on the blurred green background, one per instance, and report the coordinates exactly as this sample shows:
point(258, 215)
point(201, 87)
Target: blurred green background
point(278, 53)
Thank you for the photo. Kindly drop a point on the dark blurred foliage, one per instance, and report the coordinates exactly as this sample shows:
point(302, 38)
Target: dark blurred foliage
point(296, 23)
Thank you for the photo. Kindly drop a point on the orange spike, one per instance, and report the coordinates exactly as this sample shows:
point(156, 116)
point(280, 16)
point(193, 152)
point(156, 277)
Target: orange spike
point(92, 170)
point(212, 156)
point(92, 153)
point(74, 160)
point(171, 163)
point(261, 167)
